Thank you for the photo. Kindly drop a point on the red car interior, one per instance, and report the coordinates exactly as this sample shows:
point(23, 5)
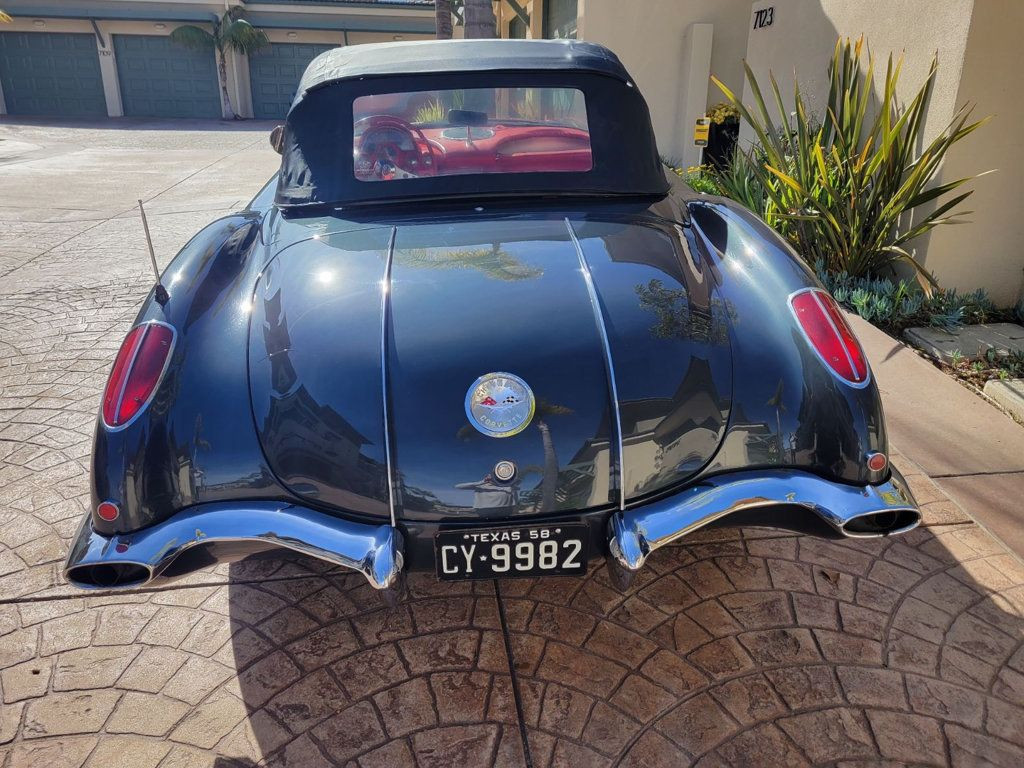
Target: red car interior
point(389, 148)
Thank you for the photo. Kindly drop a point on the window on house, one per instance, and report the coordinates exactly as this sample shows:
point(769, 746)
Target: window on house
point(517, 29)
point(560, 19)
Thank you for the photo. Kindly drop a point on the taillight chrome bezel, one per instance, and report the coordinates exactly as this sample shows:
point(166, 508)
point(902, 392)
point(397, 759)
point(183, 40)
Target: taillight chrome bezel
point(816, 292)
point(131, 364)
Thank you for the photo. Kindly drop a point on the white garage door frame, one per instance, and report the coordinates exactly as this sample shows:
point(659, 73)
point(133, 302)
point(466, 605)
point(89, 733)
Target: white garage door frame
point(237, 64)
point(72, 26)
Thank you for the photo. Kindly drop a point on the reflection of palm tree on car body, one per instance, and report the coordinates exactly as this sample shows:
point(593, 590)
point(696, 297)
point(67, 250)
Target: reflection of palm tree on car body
point(495, 261)
point(549, 471)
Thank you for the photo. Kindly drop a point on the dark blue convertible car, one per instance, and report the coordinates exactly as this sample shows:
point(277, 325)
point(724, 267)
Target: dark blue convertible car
point(471, 328)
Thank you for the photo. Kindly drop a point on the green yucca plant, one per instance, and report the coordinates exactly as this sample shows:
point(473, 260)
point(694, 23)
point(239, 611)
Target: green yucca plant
point(848, 192)
point(738, 180)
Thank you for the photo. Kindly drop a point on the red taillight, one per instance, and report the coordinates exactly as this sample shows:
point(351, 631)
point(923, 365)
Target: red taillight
point(829, 334)
point(137, 370)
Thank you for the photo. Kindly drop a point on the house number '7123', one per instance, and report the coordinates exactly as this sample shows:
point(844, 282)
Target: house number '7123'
point(764, 17)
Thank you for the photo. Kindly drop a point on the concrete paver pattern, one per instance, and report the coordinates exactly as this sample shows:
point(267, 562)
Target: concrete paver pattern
point(741, 647)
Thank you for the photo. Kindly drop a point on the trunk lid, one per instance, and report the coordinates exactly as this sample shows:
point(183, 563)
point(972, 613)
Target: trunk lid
point(480, 296)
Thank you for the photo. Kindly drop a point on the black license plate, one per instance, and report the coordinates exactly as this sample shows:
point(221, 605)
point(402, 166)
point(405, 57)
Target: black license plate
point(490, 553)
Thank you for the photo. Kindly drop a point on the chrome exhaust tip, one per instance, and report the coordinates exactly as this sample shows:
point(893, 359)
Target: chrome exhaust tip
point(885, 522)
point(109, 575)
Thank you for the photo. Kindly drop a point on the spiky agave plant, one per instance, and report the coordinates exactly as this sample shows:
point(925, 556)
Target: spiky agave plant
point(230, 32)
point(849, 192)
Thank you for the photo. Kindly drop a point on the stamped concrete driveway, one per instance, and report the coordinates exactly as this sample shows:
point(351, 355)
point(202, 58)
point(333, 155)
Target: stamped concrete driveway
point(743, 647)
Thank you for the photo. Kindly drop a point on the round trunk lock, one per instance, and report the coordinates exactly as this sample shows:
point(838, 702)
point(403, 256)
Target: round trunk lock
point(504, 471)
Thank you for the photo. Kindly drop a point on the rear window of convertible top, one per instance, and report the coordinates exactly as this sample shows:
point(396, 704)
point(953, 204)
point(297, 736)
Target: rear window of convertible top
point(470, 131)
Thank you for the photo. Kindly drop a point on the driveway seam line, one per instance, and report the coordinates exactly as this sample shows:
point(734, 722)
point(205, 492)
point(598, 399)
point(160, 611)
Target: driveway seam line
point(171, 587)
point(953, 476)
point(516, 696)
point(126, 211)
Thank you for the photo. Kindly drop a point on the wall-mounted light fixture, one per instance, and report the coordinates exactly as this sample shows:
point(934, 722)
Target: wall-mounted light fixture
point(159, 26)
point(293, 35)
point(398, 37)
point(38, 23)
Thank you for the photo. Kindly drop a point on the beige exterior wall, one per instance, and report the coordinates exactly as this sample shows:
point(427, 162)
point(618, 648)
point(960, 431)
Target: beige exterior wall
point(988, 252)
point(649, 37)
point(804, 32)
point(978, 53)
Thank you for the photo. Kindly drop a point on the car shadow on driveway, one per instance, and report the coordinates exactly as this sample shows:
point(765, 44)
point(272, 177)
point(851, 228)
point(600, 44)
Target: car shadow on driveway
point(743, 647)
point(328, 674)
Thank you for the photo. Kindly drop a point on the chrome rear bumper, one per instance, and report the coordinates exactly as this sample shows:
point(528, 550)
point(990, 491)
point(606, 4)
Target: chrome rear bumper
point(134, 559)
point(183, 543)
point(854, 511)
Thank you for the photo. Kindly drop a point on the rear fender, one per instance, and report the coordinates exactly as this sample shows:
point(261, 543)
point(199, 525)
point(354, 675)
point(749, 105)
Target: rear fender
point(789, 409)
point(187, 446)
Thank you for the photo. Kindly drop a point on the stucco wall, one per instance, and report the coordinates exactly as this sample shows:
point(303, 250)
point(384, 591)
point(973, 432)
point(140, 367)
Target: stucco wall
point(803, 34)
point(989, 251)
point(649, 38)
point(977, 54)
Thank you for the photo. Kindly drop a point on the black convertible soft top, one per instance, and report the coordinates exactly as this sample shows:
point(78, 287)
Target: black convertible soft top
point(317, 162)
point(438, 56)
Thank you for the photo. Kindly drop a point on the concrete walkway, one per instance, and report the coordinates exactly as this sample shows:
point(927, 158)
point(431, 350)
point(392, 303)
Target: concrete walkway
point(973, 451)
point(742, 647)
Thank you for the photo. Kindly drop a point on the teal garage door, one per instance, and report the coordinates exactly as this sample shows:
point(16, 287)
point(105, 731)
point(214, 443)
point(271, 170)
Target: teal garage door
point(274, 74)
point(162, 79)
point(44, 73)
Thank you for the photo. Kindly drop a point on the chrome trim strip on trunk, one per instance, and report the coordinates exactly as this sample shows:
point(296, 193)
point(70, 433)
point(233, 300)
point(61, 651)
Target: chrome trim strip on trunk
point(635, 533)
point(385, 324)
point(373, 550)
point(599, 321)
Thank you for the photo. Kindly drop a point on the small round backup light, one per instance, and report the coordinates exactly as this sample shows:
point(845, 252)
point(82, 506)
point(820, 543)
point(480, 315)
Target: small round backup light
point(877, 462)
point(107, 510)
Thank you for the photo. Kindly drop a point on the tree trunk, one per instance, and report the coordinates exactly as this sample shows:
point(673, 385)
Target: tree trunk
point(223, 68)
point(480, 21)
point(443, 19)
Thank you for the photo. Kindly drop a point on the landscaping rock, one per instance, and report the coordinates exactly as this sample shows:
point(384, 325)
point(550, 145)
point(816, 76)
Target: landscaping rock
point(1009, 394)
point(970, 341)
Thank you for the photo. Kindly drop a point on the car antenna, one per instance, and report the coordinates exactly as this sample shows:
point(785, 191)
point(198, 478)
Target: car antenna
point(162, 296)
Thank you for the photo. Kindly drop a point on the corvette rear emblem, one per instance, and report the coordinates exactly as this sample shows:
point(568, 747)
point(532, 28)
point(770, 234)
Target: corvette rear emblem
point(500, 404)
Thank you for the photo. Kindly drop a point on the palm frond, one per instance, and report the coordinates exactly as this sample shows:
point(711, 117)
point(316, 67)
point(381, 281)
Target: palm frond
point(4, 18)
point(192, 36)
point(243, 37)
